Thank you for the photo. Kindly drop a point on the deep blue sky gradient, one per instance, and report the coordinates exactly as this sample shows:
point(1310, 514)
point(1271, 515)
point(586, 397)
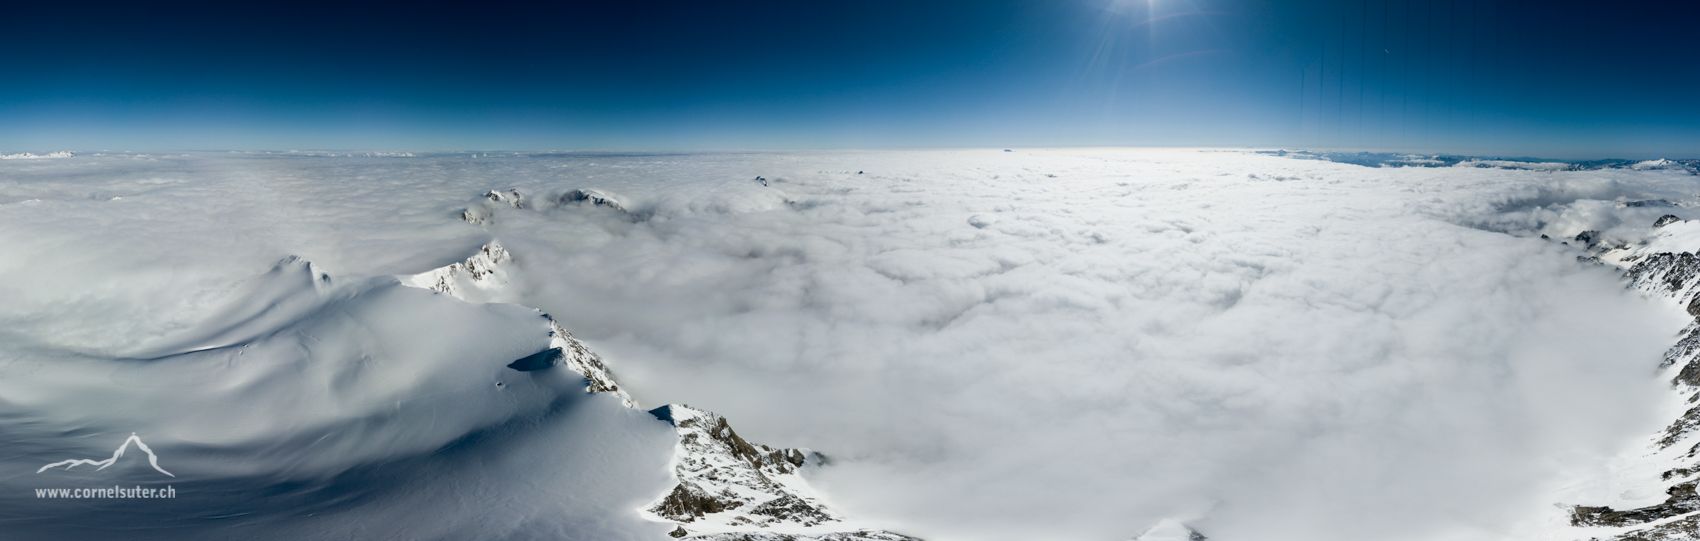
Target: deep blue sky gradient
point(1508, 77)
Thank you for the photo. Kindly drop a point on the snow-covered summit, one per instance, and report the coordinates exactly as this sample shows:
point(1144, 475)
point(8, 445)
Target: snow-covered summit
point(1170, 530)
point(512, 197)
point(1510, 164)
point(727, 488)
point(1656, 164)
point(473, 280)
point(592, 196)
point(482, 211)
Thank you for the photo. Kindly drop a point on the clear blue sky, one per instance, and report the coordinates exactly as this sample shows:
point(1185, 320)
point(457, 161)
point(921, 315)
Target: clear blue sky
point(1509, 77)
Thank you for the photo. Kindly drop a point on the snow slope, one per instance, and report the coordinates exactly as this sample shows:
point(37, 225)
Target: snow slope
point(726, 487)
point(386, 408)
point(1658, 500)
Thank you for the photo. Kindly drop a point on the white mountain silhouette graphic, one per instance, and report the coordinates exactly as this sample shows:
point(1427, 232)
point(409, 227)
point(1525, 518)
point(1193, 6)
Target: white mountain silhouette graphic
point(153, 459)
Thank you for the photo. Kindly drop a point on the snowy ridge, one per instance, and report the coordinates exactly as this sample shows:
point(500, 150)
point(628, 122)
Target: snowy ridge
point(1389, 159)
point(1508, 164)
point(481, 276)
point(1656, 164)
point(326, 154)
point(29, 156)
point(1667, 266)
point(580, 359)
point(513, 198)
point(1170, 530)
point(473, 280)
point(483, 211)
point(728, 488)
point(593, 196)
point(480, 214)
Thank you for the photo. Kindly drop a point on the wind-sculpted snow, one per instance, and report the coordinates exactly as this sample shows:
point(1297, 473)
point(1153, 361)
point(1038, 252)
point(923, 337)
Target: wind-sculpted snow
point(301, 357)
point(1063, 344)
point(384, 407)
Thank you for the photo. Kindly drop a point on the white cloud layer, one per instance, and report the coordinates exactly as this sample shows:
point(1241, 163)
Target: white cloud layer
point(1076, 344)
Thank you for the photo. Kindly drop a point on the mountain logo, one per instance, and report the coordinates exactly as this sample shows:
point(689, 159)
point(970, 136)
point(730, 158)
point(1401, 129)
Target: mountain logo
point(153, 459)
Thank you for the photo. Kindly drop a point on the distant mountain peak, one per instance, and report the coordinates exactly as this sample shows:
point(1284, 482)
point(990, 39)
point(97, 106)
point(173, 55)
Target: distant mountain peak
point(472, 280)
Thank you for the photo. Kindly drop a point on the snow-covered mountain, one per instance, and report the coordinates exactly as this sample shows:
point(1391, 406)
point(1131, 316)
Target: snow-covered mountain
point(1386, 159)
point(1666, 266)
point(727, 488)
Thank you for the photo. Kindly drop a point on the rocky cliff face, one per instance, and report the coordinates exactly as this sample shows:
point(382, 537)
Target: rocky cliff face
point(473, 280)
point(728, 488)
point(1667, 266)
point(593, 197)
point(484, 210)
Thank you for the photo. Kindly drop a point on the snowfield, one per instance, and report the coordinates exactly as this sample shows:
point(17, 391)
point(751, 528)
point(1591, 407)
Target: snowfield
point(1091, 344)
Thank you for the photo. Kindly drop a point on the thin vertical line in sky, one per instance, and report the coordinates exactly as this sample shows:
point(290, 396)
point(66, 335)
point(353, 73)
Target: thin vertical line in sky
point(1448, 75)
point(1363, 65)
point(1321, 84)
point(1474, 77)
point(1303, 75)
point(1493, 60)
point(1427, 98)
point(1340, 89)
point(1381, 105)
point(1451, 108)
point(1405, 81)
point(1435, 65)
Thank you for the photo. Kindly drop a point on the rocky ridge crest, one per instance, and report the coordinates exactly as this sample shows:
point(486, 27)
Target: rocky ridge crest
point(1663, 270)
point(728, 489)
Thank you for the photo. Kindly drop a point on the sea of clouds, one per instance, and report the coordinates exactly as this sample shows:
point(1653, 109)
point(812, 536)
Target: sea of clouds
point(1056, 344)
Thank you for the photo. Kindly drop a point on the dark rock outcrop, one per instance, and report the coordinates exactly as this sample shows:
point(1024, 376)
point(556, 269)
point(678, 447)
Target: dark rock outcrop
point(1682, 500)
point(512, 197)
point(1587, 238)
point(688, 502)
point(541, 360)
point(793, 509)
point(726, 481)
point(1664, 274)
point(592, 196)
